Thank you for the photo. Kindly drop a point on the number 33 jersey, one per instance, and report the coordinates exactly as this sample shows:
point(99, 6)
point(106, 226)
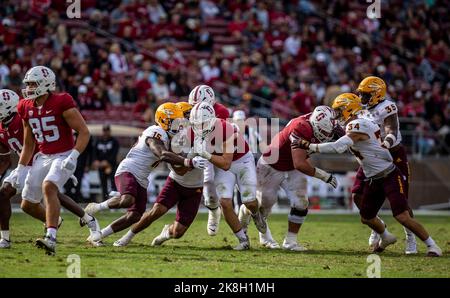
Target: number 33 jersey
point(51, 132)
point(380, 112)
point(140, 160)
point(11, 135)
point(372, 157)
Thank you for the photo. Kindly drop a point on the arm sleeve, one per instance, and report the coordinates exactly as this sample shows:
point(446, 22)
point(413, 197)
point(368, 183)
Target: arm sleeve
point(340, 146)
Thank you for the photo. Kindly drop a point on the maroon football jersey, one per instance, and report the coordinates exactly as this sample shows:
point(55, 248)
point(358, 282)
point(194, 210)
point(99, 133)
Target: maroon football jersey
point(11, 135)
point(225, 130)
point(51, 132)
point(221, 111)
point(301, 127)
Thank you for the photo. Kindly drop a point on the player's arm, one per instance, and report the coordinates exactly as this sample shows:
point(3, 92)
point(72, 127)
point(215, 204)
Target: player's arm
point(339, 146)
point(158, 148)
point(74, 119)
point(391, 129)
point(301, 163)
point(28, 145)
point(5, 159)
point(222, 161)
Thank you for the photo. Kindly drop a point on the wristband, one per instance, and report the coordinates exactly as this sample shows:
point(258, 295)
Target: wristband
point(188, 163)
point(74, 154)
point(322, 175)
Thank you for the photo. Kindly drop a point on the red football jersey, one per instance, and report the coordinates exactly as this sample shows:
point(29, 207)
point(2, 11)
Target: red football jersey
point(301, 127)
point(224, 130)
point(11, 135)
point(221, 111)
point(51, 132)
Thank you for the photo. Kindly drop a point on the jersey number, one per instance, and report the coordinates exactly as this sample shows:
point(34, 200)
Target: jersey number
point(391, 108)
point(351, 126)
point(157, 136)
point(41, 126)
point(15, 145)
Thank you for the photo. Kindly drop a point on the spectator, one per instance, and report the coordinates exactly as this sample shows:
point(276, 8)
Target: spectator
point(129, 93)
point(155, 11)
point(117, 59)
point(115, 94)
point(106, 149)
point(79, 48)
point(209, 9)
point(160, 89)
point(210, 71)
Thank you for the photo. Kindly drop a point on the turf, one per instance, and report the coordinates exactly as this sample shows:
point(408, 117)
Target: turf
point(337, 248)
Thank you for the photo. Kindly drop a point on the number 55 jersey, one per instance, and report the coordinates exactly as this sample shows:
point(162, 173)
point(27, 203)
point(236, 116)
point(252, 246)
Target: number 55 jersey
point(372, 157)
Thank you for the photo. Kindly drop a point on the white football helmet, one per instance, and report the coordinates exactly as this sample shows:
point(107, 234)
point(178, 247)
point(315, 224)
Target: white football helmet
point(44, 78)
point(238, 115)
point(202, 119)
point(202, 93)
point(8, 103)
point(322, 121)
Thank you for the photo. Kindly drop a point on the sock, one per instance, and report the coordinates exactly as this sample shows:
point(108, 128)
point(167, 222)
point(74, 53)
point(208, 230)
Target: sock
point(430, 242)
point(51, 232)
point(4, 235)
point(408, 232)
point(241, 235)
point(166, 233)
point(87, 218)
point(129, 235)
point(291, 237)
point(107, 231)
point(103, 205)
point(267, 235)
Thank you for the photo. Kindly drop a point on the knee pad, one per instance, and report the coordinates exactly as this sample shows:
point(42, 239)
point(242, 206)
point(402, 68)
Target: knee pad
point(210, 195)
point(297, 215)
point(300, 202)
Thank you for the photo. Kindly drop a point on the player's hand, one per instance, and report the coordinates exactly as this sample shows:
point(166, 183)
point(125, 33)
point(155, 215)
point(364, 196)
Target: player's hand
point(386, 144)
point(15, 175)
point(70, 163)
point(332, 181)
point(300, 143)
point(199, 162)
point(74, 180)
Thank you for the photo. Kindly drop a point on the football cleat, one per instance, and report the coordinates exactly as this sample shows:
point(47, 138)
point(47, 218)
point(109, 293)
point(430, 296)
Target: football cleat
point(293, 246)
point(94, 229)
point(434, 251)
point(260, 222)
point(98, 243)
point(5, 243)
point(91, 208)
point(385, 242)
point(47, 243)
point(411, 245)
point(244, 216)
point(121, 242)
point(245, 245)
point(163, 237)
point(270, 244)
point(213, 221)
point(374, 238)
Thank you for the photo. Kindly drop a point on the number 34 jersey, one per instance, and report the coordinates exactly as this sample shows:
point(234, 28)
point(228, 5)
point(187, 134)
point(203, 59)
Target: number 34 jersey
point(11, 135)
point(372, 157)
point(140, 160)
point(379, 113)
point(51, 132)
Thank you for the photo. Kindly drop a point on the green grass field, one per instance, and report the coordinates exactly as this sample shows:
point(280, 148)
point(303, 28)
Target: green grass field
point(337, 248)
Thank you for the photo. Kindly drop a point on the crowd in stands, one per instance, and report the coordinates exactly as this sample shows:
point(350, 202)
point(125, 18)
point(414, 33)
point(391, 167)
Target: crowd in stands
point(123, 58)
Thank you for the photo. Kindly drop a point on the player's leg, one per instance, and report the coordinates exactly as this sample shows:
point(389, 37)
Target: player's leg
point(372, 200)
point(211, 201)
point(225, 181)
point(394, 188)
point(295, 186)
point(268, 183)
point(127, 186)
point(6, 193)
point(245, 172)
point(187, 209)
point(85, 218)
point(167, 198)
point(357, 195)
point(401, 161)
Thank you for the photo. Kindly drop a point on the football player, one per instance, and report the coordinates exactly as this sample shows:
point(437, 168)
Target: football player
point(221, 144)
point(372, 91)
point(204, 93)
point(132, 173)
point(11, 139)
point(183, 188)
point(289, 170)
point(48, 120)
point(384, 179)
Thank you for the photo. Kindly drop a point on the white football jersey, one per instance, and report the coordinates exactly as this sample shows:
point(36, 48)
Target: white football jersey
point(370, 155)
point(194, 177)
point(380, 112)
point(140, 160)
